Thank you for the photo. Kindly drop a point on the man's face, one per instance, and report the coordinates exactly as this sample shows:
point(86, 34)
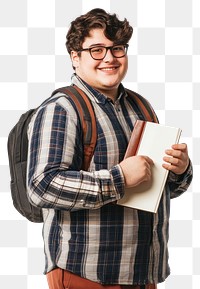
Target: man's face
point(104, 75)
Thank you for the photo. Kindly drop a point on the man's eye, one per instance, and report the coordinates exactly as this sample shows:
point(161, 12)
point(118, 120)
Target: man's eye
point(118, 48)
point(97, 50)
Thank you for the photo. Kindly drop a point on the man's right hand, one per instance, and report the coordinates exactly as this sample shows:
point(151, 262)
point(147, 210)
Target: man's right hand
point(136, 169)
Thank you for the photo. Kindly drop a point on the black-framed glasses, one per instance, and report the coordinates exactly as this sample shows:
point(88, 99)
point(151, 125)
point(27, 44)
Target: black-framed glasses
point(99, 52)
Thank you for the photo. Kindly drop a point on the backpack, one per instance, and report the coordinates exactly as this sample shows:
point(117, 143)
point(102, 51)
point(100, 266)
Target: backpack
point(17, 147)
point(18, 144)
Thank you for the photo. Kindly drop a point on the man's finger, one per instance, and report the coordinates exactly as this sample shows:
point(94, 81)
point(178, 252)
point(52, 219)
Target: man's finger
point(180, 146)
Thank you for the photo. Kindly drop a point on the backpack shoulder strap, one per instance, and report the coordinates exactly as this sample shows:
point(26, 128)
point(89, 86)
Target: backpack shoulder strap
point(87, 118)
point(143, 106)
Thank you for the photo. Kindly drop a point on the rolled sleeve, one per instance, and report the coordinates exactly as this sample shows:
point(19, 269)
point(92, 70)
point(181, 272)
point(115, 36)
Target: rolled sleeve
point(118, 181)
point(178, 184)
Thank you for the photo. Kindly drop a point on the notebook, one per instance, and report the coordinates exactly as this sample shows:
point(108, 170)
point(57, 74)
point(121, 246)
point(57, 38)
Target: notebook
point(150, 139)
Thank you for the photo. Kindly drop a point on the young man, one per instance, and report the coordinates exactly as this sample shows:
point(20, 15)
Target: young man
point(90, 241)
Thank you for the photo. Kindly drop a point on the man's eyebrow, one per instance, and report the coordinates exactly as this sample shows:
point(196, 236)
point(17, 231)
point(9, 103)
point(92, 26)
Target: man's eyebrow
point(97, 44)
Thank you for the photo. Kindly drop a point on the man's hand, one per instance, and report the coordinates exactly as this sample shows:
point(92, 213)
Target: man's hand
point(136, 169)
point(177, 159)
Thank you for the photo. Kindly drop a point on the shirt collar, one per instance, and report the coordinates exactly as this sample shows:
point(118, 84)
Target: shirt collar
point(96, 95)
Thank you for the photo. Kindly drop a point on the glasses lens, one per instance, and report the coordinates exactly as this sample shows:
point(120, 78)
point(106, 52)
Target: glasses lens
point(119, 50)
point(98, 52)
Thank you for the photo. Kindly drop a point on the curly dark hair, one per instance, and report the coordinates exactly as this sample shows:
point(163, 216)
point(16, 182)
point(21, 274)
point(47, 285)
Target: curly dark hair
point(115, 30)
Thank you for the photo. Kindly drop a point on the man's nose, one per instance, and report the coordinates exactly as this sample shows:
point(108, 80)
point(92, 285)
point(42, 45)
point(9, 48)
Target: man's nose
point(108, 56)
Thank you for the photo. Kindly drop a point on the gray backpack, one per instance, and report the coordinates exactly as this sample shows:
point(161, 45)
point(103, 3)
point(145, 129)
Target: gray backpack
point(18, 149)
point(18, 144)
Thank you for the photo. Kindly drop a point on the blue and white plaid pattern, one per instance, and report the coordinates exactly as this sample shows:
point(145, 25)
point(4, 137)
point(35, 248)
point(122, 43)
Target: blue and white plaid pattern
point(84, 232)
point(164, 67)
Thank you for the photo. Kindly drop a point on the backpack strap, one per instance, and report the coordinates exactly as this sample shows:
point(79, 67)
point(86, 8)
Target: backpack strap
point(143, 106)
point(87, 118)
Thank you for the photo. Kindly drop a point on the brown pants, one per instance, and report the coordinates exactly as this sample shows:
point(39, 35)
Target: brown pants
point(62, 279)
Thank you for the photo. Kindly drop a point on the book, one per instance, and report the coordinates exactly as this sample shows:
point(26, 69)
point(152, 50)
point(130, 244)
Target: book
point(149, 139)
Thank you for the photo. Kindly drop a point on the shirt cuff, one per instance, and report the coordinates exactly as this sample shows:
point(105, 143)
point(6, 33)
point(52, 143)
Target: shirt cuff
point(118, 181)
point(180, 178)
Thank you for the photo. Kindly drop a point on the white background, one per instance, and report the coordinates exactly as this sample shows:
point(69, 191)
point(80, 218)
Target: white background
point(164, 66)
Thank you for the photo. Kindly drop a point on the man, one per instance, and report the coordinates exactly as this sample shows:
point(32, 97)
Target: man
point(90, 241)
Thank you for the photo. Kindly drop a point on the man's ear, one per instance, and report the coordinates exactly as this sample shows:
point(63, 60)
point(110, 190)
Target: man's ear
point(75, 59)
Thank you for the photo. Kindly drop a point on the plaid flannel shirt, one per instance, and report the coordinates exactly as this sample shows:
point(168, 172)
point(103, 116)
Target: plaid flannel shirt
point(84, 231)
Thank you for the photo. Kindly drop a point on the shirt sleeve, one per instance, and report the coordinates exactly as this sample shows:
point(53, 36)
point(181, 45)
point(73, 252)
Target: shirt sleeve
point(54, 177)
point(178, 184)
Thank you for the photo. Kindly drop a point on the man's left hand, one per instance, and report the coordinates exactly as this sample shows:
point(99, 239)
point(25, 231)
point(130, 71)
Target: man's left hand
point(177, 159)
